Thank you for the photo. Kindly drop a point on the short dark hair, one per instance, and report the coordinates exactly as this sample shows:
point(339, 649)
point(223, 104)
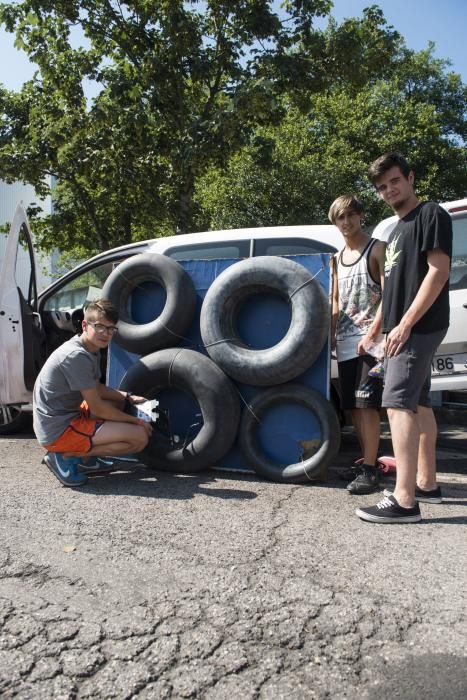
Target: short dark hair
point(102, 307)
point(343, 203)
point(385, 162)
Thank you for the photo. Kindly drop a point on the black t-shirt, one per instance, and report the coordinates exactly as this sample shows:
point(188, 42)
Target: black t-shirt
point(425, 228)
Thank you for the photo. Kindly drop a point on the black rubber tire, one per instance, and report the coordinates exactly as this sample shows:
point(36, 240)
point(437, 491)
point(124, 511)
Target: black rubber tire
point(218, 400)
point(310, 469)
point(13, 419)
point(177, 314)
point(296, 351)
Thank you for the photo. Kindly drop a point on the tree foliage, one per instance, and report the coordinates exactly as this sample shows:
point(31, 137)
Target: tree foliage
point(183, 85)
point(290, 173)
point(217, 114)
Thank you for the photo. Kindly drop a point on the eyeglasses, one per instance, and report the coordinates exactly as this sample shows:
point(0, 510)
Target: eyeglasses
point(101, 328)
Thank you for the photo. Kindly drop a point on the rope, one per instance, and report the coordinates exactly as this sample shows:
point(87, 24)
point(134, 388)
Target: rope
point(245, 402)
point(218, 342)
point(172, 364)
point(305, 283)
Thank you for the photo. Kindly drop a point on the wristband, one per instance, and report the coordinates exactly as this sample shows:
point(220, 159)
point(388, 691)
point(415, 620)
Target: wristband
point(127, 405)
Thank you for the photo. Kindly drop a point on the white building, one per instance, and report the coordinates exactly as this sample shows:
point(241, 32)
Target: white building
point(10, 196)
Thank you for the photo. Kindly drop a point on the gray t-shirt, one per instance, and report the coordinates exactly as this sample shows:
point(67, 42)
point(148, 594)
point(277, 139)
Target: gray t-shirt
point(57, 391)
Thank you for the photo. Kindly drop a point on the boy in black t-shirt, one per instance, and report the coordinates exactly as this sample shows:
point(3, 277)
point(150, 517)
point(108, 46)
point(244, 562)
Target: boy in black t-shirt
point(415, 318)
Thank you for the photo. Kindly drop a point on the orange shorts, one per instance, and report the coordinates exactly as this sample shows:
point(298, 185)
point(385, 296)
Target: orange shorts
point(78, 436)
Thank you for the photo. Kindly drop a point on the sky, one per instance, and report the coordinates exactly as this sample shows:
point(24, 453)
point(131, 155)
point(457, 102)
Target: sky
point(419, 21)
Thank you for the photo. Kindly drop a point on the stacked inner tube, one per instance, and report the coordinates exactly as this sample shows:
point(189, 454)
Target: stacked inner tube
point(195, 374)
point(208, 378)
point(296, 351)
point(309, 469)
point(169, 327)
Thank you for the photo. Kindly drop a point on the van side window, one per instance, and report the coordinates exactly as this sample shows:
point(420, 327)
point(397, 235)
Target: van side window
point(458, 276)
point(290, 246)
point(210, 251)
point(25, 276)
point(80, 289)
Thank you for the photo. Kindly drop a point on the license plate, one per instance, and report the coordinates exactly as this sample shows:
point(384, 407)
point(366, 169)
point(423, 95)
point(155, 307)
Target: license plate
point(449, 364)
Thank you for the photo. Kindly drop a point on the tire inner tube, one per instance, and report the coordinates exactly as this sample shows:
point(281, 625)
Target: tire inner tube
point(309, 469)
point(196, 374)
point(296, 351)
point(176, 316)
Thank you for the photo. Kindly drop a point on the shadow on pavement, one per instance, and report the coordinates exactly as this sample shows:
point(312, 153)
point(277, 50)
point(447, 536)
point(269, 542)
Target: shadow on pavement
point(452, 502)
point(427, 676)
point(455, 520)
point(147, 483)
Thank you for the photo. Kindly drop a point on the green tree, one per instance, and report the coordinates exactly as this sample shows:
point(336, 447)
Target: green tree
point(182, 87)
point(290, 173)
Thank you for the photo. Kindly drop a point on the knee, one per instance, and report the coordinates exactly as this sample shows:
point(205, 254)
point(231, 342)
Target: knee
point(142, 440)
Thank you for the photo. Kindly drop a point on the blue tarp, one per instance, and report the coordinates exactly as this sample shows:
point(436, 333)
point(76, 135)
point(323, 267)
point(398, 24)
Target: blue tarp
point(262, 322)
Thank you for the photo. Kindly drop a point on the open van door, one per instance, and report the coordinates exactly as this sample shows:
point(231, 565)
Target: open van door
point(22, 345)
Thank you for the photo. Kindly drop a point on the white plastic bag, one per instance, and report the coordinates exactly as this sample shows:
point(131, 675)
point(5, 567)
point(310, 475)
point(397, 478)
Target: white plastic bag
point(147, 410)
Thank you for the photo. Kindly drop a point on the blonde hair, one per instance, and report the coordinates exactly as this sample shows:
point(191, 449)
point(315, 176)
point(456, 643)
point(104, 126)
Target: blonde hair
point(343, 203)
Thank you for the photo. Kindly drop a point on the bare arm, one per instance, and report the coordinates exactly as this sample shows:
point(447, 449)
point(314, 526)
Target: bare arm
point(372, 334)
point(430, 289)
point(335, 302)
point(108, 394)
point(377, 260)
point(376, 263)
point(101, 402)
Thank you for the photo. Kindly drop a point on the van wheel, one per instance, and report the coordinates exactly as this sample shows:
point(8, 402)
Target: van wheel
point(310, 469)
point(194, 374)
point(12, 419)
point(176, 316)
point(296, 351)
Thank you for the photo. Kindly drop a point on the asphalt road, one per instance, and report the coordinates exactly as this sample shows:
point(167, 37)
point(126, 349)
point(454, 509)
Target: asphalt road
point(149, 585)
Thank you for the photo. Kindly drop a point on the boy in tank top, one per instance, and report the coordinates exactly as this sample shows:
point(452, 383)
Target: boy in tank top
point(358, 276)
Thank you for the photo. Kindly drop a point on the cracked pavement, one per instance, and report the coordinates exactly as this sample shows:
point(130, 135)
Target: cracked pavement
point(219, 585)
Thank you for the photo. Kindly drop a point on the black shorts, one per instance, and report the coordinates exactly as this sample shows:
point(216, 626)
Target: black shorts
point(358, 390)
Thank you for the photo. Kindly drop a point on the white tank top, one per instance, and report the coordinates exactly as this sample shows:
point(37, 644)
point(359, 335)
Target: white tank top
point(359, 298)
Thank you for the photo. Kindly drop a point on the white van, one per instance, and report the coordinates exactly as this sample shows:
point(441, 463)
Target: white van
point(32, 326)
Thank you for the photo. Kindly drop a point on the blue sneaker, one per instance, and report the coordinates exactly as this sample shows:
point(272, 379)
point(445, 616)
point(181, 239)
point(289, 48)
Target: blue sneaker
point(66, 470)
point(95, 465)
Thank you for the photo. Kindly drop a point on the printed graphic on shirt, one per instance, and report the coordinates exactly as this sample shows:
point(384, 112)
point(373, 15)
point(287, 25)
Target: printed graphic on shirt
point(360, 303)
point(391, 256)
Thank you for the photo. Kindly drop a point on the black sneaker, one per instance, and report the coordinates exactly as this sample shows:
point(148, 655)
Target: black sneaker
point(367, 481)
point(389, 511)
point(422, 496)
point(348, 473)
